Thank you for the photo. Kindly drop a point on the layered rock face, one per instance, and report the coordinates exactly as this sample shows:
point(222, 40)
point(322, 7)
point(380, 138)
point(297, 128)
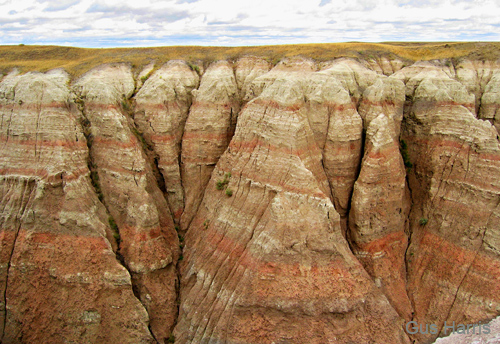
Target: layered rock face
point(162, 107)
point(313, 202)
point(453, 270)
point(60, 280)
point(266, 258)
point(147, 242)
point(208, 131)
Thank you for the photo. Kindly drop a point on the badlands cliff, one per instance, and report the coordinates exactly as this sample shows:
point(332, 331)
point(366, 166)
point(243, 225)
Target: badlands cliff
point(247, 201)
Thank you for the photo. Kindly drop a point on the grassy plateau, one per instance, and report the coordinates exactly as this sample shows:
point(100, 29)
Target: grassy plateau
point(77, 61)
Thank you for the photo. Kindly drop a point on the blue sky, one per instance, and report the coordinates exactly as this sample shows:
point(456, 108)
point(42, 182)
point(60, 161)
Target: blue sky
point(113, 23)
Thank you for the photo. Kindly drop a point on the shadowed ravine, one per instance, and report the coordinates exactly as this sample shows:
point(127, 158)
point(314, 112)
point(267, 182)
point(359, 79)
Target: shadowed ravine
point(249, 202)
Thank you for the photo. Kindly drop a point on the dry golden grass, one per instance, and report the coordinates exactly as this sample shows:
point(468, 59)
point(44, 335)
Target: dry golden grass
point(79, 60)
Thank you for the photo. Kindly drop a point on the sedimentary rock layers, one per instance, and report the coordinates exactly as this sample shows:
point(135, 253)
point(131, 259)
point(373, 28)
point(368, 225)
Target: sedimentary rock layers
point(162, 106)
point(338, 129)
point(208, 130)
point(265, 260)
point(147, 240)
point(453, 270)
point(247, 70)
point(337, 205)
point(490, 101)
point(60, 281)
point(379, 209)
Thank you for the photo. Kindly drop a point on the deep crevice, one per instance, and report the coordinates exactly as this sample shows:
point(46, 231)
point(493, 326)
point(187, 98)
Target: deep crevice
point(94, 173)
point(94, 176)
point(409, 169)
point(128, 108)
point(4, 325)
point(30, 185)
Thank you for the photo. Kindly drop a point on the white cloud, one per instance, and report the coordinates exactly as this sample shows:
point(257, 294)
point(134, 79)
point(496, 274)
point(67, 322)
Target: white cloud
point(229, 22)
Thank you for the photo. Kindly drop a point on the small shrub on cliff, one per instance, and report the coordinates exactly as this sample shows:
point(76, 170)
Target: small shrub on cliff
point(222, 184)
point(114, 228)
point(219, 185)
point(171, 339)
point(423, 221)
point(112, 224)
point(229, 192)
point(145, 145)
point(194, 67)
point(94, 178)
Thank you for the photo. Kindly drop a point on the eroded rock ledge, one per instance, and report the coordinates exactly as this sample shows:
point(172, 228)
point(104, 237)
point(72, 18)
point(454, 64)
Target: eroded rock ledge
point(249, 203)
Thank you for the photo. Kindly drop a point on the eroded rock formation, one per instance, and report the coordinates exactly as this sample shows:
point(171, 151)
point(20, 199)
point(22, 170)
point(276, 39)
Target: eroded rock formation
point(313, 202)
point(60, 278)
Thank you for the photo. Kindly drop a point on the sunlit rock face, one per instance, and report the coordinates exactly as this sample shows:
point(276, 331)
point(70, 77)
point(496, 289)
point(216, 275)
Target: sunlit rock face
point(246, 202)
point(59, 278)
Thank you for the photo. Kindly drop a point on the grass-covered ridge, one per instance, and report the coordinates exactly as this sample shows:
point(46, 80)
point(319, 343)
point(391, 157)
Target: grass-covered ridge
point(79, 60)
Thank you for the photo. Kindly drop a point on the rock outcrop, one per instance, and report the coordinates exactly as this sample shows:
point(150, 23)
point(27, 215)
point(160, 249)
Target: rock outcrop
point(162, 106)
point(314, 202)
point(208, 131)
point(453, 270)
point(147, 241)
point(60, 279)
point(265, 259)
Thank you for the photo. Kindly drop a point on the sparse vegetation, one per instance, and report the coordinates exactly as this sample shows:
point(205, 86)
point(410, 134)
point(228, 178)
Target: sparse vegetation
point(112, 224)
point(219, 185)
point(145, 145)
point(222, 184)
point(77, 61)
point(403, 148)
point(125, 106)
point(145, 77)
point(205, 224)
point(114, 228)
point(229, 192)
point(423, 221)
point(171, 339)
point(94, 179)
point(194, 67)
